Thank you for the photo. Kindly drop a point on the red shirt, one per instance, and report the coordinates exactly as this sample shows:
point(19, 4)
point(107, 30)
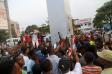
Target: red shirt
point(40, 40)
point(27, 38)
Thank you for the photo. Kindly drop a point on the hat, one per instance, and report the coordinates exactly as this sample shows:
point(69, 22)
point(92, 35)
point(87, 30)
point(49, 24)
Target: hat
point(107, 71)
point(105, 54)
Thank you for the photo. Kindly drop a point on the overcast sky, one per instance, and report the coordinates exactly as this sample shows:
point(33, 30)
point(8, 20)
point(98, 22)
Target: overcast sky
point(28, 12)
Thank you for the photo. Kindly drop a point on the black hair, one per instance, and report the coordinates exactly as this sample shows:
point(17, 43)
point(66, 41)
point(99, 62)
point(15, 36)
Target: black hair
point(89, 57)
point(46, 66)
point(50, 50)
point(93, 50)
point(24, 48)
point(64, 65)
point(32, 55)
point(36, 69)
point(6, 65)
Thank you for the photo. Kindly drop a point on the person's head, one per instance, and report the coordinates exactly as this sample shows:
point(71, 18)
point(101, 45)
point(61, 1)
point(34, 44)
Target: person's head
point(64, 65)
point(12, 51)
point(50, 50)
point(26, 32)
point(93, 49)
point(32, 55)
point(6, 65)
point(36, 69)
point(89, 57)
point(92, 38)
point(44, 52)
point(25, 50)
point(46, 67)
point(19, 59)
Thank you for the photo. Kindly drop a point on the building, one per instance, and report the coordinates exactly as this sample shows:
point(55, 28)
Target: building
point(85, 25)
point(4, 15)
point(59, 19)
point(15, 29)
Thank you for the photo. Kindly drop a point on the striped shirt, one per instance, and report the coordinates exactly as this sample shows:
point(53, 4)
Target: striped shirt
point(91, 70)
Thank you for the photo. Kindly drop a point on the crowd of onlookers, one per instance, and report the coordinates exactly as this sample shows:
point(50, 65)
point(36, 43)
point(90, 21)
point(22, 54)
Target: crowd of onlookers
point(75, 55)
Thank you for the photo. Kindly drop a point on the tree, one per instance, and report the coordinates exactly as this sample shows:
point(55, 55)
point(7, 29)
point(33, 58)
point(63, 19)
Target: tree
point(3, 35)
point(22, 33)
point(31, 28)
point(44, 28)
point(104, 15)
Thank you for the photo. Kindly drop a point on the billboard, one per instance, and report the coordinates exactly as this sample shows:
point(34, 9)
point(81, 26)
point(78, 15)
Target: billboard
point(3, 15)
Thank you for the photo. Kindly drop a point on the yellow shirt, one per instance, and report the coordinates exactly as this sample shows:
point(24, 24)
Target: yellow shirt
point(92, 43)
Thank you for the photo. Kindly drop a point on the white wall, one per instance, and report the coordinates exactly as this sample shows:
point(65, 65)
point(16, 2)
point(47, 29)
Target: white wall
point(58, 18)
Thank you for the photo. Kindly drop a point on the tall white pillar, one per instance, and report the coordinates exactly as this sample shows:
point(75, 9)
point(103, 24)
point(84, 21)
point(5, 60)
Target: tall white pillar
point(59, 19)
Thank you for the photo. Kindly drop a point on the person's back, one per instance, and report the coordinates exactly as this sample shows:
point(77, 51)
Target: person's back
point(90, 68)
point(6, 65)
point(46, 67)
point(54, 60)
point(36, 69)
point(33, 60)
point(64, 66)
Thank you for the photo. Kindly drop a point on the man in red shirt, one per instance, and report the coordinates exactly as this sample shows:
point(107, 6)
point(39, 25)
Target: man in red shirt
point(26, 38)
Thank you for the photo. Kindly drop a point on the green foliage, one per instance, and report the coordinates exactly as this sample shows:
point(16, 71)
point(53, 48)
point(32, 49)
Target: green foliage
point(3, 35)
point(104, 15)
point(22, 33)
point(31, 28)
point(44, 29)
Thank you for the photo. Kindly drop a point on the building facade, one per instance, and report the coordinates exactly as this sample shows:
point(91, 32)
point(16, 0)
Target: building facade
point(15, 29)
point(85, 25)
point(4, 15)
point(59, 19)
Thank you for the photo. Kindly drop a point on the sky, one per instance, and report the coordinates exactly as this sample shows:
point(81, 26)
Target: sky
point(28, 12)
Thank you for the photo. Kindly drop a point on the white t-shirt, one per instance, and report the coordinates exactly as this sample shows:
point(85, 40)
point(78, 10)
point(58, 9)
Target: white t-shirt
point(30, 65)
point(55, 61)
point(77, 69)
point(26, 60)
point(34, 37)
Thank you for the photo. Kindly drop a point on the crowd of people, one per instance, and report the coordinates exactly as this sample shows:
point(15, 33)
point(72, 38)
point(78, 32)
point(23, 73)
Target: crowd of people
point(74, 55)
